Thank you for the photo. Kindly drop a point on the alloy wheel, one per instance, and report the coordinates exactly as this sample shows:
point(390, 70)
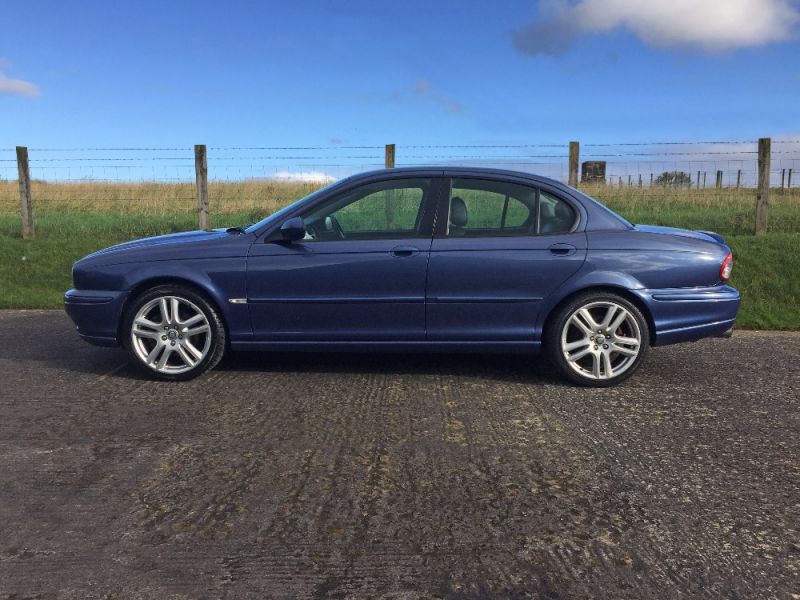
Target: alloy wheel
point(171, 335)
point(601, 340)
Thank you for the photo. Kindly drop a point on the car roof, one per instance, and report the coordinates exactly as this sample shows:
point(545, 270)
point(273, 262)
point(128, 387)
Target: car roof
point(457, 171)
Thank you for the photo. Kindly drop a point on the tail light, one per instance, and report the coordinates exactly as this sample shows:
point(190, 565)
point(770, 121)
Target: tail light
point(726, 268)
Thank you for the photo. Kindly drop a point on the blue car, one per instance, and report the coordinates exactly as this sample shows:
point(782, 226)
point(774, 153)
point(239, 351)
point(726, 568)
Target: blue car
point(419, 259)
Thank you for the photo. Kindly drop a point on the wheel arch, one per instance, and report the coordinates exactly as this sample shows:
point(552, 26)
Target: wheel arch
point(151, 282)
point(611, 289)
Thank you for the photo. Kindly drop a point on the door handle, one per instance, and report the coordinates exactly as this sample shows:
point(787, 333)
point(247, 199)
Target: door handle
point(561, 249)
point(402, 251)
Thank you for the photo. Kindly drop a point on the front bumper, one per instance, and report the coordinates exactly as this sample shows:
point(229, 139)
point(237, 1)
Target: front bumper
point(687, 314)
point(96, 314)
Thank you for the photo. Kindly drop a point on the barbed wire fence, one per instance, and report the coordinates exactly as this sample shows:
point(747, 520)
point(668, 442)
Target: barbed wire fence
point(233, 171)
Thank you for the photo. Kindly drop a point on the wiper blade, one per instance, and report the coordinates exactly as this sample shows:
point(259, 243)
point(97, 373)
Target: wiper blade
point(235, 230)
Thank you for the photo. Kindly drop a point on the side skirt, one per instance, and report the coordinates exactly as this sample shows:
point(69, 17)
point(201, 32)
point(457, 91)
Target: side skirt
point(402, 346)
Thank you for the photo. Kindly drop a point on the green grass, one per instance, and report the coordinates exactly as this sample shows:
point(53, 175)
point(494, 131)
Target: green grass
point(765, 272)
point(72, 222)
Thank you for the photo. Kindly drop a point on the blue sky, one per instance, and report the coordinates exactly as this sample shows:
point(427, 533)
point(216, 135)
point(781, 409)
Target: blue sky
point(366, 72)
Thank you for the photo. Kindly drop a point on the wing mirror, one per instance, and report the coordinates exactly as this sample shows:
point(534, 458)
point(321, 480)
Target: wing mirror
point(293, 229)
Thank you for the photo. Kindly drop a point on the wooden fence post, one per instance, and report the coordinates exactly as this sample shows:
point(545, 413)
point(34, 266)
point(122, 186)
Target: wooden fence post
point(738, 178)
point(762, 195)
point(789, 183)
point(26, 208)
point(389, 204)
point(574, 157)
point(388, 160)
point(201, 178)
point(783, 177)
point(719, 179)
point(698, 180)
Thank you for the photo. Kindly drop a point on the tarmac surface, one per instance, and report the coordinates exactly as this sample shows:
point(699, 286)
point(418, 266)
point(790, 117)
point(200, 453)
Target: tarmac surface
point(399, 476)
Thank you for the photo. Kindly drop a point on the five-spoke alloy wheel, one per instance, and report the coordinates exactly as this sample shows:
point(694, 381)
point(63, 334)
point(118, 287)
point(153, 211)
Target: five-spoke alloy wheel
point(174, 332)
point(598, 339)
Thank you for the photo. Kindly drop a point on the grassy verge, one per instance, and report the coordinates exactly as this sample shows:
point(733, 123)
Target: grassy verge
point(72, 221)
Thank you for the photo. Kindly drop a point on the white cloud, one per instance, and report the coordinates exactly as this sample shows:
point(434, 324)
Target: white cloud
point(710, 25)
point(17, 87)
point(304, 176)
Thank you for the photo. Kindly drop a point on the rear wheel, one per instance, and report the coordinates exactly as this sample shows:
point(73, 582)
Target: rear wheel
point(174, 333)
point(598, 339)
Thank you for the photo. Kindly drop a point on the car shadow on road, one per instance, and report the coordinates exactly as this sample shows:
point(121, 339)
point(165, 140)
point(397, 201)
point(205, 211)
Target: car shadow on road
point(506, 367)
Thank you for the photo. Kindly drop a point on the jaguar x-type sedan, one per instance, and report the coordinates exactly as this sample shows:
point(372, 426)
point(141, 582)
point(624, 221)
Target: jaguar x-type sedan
point(417, 259)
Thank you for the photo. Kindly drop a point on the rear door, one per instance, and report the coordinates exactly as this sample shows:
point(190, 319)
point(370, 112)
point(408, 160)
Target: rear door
point(500, 248)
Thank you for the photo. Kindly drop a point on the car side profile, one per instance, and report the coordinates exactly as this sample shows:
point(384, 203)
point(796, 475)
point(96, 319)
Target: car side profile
point(414, 259)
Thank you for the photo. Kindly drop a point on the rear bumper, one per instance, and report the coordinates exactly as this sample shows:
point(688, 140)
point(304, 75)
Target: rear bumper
point(728, 333)
point(95, 314)
point(686, 314)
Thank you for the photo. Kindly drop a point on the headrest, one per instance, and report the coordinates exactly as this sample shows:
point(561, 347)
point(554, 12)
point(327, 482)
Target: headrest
point(563, 212)
point(458, 212)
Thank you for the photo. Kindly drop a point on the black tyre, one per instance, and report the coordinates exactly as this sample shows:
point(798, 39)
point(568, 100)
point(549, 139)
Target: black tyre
point(597, 339)
point(174, 333)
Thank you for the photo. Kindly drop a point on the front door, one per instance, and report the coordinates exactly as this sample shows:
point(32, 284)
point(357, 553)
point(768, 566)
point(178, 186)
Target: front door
point(359, 274)
point(502, 249)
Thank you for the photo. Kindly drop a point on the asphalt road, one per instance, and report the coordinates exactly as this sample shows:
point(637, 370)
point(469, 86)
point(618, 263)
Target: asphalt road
point(398, 476)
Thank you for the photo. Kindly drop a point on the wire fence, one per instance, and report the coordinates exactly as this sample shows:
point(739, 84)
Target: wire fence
point(712, 181)
point(626, 162)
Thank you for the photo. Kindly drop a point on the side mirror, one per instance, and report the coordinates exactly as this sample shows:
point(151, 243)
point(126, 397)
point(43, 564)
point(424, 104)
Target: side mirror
point(293, 229)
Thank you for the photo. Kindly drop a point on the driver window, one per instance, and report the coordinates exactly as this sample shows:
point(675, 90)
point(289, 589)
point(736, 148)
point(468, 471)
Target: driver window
point(386, 209)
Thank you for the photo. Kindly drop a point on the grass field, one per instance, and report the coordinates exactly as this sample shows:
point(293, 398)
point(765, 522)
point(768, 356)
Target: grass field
point(73, 220)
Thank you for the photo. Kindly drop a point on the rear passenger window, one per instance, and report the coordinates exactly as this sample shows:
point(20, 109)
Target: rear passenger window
point(484, 208)
point(555, 216)
point(490, 208)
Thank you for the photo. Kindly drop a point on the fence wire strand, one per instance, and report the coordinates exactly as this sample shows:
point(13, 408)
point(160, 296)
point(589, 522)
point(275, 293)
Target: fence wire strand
point(648, 160)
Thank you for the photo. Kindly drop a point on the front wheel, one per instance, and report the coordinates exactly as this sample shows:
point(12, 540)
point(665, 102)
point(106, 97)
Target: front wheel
point(598, 339)
point(174, 333)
